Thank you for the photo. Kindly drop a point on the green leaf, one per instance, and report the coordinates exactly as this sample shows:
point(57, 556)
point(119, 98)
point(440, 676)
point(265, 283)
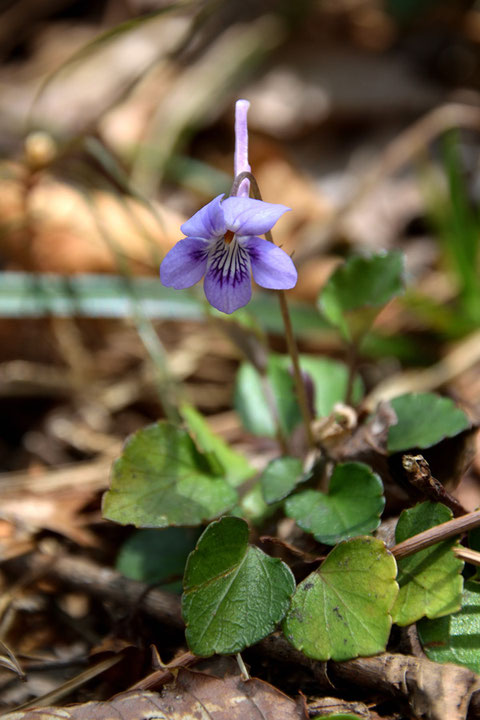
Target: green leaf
point(35, 295)
point(352, 507)
point(111, 296)
point(423, 420)
point(330, 379)
point(233, 465)
point(162, 479)
point(455, 638)
point(342, 610)
point(280, 477)
point(251, 394)
point(253, 507)
point(155, 556)
point(359, 288)
point(430, 580)
point(234, 594)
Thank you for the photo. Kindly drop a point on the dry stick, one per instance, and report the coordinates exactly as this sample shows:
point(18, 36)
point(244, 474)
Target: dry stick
point(420, 477)
point(434, 690)
point(436, 534)
point(69, 686)
point(289, 334)
point(470, 556)
point(166, 673)
point(92, 579)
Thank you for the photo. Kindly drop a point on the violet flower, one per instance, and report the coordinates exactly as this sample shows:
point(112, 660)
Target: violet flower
point(222, 243)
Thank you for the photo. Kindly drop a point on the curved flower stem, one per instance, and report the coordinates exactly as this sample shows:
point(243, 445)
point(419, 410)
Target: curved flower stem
point(352, 359)
point(289, 334)
point(297, 373)
point(246, 175)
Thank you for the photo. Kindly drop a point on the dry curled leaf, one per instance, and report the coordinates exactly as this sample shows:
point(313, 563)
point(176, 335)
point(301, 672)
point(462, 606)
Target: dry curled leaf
point(56, 511)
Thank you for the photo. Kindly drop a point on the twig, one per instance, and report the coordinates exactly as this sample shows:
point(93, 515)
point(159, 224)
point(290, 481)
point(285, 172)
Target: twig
point(69, 686)
point(166, 673)
point(470, 556)
point(419, 475)
point(436, 534)
point(103, 582)
point(433, 690)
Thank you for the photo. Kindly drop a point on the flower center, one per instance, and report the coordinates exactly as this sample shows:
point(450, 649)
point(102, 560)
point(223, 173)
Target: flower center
point(229, 235)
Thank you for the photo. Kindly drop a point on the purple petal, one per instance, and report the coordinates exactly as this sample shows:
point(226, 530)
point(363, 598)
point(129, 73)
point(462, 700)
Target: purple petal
point(271, 266)
point(246, 216)
point(227, 282)
point(185, 263)
point(208, 222)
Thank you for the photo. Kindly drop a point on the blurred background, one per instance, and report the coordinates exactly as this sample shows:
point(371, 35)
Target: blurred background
point(116, 124)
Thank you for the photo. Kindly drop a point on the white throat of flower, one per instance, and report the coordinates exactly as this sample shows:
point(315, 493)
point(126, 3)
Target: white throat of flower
point(228, 259)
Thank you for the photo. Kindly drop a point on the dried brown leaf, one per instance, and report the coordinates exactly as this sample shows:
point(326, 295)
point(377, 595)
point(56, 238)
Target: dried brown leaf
point(58, 511)
point(194, 694)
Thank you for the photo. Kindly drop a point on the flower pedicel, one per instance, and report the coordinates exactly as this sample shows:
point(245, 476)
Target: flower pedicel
point(222, 242)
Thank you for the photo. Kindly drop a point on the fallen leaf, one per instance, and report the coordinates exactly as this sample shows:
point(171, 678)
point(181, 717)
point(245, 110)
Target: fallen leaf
point(194, 694)
point(58, 511)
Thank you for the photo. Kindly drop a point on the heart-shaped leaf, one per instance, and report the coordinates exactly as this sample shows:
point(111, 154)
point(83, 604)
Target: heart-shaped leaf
point(342, 610)
point(257, 399)
point(255, 395)
point(359, 288)
point(352, 507)
point(157, 556)
point(253, 507)
point(280, 477)
point(430, 580)
point(162, 479)
point(233, 466)
point(455, 638)
point(423, 420)
point(234, 594)
point(330, 380)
